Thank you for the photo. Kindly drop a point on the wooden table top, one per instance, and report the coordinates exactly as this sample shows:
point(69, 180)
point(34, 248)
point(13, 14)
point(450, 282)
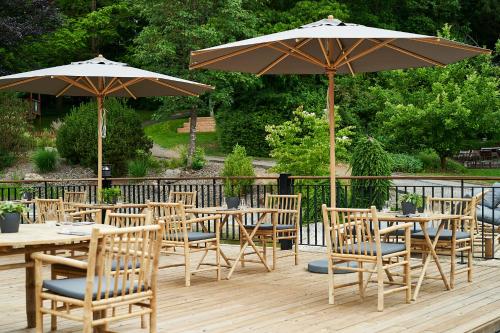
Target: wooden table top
point(225, 211)
point(40, 234)
point(420, 217)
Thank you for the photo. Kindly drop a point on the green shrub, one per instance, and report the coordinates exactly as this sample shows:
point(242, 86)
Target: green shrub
point(138, 167)
point(7, 159)
point(44, 139)
point(77, 136)
point(45, 160)
point(198, 161)
point(431, 163)
point(237, 164)
point(369, 159)
point(14, 127)
point(405, 163)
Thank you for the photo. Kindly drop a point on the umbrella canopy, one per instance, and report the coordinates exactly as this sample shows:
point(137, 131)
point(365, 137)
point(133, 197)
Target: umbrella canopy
point(100, 77)
point(331, 47)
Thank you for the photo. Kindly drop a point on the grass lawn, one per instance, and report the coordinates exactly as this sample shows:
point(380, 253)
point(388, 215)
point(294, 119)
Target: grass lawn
point(165, 134)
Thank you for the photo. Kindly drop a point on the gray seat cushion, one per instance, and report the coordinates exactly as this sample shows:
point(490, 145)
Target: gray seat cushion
point(321, 267)
point(197, 236)
point(387, 248)
point(444, 235)
point(488, 215)
point(269, 226)
point(492, 198)
point(75, 288)
point(401, 232)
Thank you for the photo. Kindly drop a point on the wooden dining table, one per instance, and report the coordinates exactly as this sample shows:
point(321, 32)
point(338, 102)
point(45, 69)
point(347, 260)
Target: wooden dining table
point(238, 216)
point(424, 220)
point(41, 237)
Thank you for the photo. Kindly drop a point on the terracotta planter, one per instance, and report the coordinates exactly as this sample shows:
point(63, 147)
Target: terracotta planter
point(9, 222)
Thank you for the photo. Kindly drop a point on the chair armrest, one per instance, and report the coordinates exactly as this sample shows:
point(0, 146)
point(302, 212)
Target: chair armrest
point(85, 212)
point(395, 227)
point(49, 259)
point(204, 219)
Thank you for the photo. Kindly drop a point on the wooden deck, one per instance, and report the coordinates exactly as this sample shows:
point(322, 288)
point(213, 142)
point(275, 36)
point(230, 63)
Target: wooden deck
point(290, 300)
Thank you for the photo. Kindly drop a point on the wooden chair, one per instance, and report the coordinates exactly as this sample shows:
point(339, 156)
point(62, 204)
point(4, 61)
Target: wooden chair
point(455, 237)
point(129, 208)
point(286, 227)
point(354, 235)
point(178, 234)
point(72, 197)
point(121, 272)
point(88, 215)
point(188, 199)
point(49, 210)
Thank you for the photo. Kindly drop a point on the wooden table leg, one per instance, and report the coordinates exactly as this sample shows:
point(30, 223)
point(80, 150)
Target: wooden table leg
point(30, 289)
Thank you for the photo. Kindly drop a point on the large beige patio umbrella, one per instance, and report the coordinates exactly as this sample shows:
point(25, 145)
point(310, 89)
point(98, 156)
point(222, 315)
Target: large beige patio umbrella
point(100, 77)
point(332, 47)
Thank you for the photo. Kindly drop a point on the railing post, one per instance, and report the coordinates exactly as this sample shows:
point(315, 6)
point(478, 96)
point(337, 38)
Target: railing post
point(285, 188)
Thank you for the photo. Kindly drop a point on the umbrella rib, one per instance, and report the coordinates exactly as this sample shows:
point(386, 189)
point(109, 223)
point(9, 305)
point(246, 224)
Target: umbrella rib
point(455, 46)
point(310, 57)
point(92, 85)
point(342, 50)
point(126, 84)
point(296, 55)
point(323, 51)
point(75, 83)
point(173, 87)
point(282, 57)
point(13, 84)
point(229, 55)
point(366, 52)
point(127, 89)
point(349, 50)
point(109, 85)
point(67, 87)
point(413, 54)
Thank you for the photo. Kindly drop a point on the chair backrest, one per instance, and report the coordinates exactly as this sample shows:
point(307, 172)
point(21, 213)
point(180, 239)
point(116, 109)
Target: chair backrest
point(188, 199)
point(288, 207)
point(123, 262)
point(49, 210)
point(453, 206)
point(174, 217)
point(351, 231)
point(123, 220)
point(89, 215)
point(75, 196)
point(129, 208)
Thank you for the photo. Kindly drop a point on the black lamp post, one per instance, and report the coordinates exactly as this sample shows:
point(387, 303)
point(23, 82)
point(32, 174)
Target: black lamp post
point(106, 173)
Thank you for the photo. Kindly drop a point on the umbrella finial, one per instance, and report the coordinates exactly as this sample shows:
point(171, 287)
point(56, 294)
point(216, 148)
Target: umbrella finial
point(330, 17)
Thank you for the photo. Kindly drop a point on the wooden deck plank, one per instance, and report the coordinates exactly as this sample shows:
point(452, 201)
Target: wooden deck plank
point(287, 300)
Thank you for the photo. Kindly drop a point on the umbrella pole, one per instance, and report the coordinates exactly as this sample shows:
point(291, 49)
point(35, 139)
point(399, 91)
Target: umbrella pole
point(331, 117)
point(99, 146)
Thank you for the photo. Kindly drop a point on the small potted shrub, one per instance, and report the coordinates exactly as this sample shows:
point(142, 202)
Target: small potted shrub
point(237, 164)
point(10, 216)
point(410, 202)
point(27, 192)
point(110, 195)
point(232, 194)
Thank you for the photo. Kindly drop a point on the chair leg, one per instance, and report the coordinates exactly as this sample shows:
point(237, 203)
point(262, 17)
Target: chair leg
point(380, 285)
point(331, 286)
point(87, 320)
point(217, 260)
point(187, 266)
point(242, 259)
point(296, 249)
point(274, 251)
point(407, 273)
point(453, 260)
point(53, 318)
point(361, 280)
point(152, 315)
point(469, 261)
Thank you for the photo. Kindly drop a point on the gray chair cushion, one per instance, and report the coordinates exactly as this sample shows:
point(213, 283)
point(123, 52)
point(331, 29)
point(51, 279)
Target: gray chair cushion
point(387, 248)
point(488, 215)
point(269, 226)
point(75, 288)
point(491, 201)
point(444, 235)
point(196, 236)
point(321, 267)
point(401, 232)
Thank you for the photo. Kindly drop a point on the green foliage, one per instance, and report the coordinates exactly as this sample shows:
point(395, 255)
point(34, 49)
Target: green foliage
point(45, 159)
point(7, 159)
point(405, 163)
point(237, 164)
point(45, 138)
point(110, 195)
point(77, 137)
point(138, 167)
point(301, 146)
point(432, 163)
point(11, 207)
point(414, 198)
point(369, 159)
point(14, 128)
point(199, 160)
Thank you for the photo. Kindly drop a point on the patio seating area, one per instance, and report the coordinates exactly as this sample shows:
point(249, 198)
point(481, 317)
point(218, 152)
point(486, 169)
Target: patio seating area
point(289, 299)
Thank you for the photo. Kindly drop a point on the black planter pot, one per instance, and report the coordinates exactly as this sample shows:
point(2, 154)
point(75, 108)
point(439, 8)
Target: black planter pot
point(27, 196)
point(9, 222)
point(232, 202)
point(408, 208)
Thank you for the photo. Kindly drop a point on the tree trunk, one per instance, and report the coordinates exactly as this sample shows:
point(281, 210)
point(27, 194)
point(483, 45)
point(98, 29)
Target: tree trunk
point(192, 137)
point(443, 162)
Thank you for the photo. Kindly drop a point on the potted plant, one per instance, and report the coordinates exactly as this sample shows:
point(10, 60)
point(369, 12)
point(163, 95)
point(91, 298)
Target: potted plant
point(410, 202)
point(232, 193)
point(27, 192)
point(10, 216)
point(110, 195)
point(237, 164)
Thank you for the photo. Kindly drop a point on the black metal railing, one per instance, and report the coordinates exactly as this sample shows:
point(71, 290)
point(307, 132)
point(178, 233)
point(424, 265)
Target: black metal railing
point(315, 191)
